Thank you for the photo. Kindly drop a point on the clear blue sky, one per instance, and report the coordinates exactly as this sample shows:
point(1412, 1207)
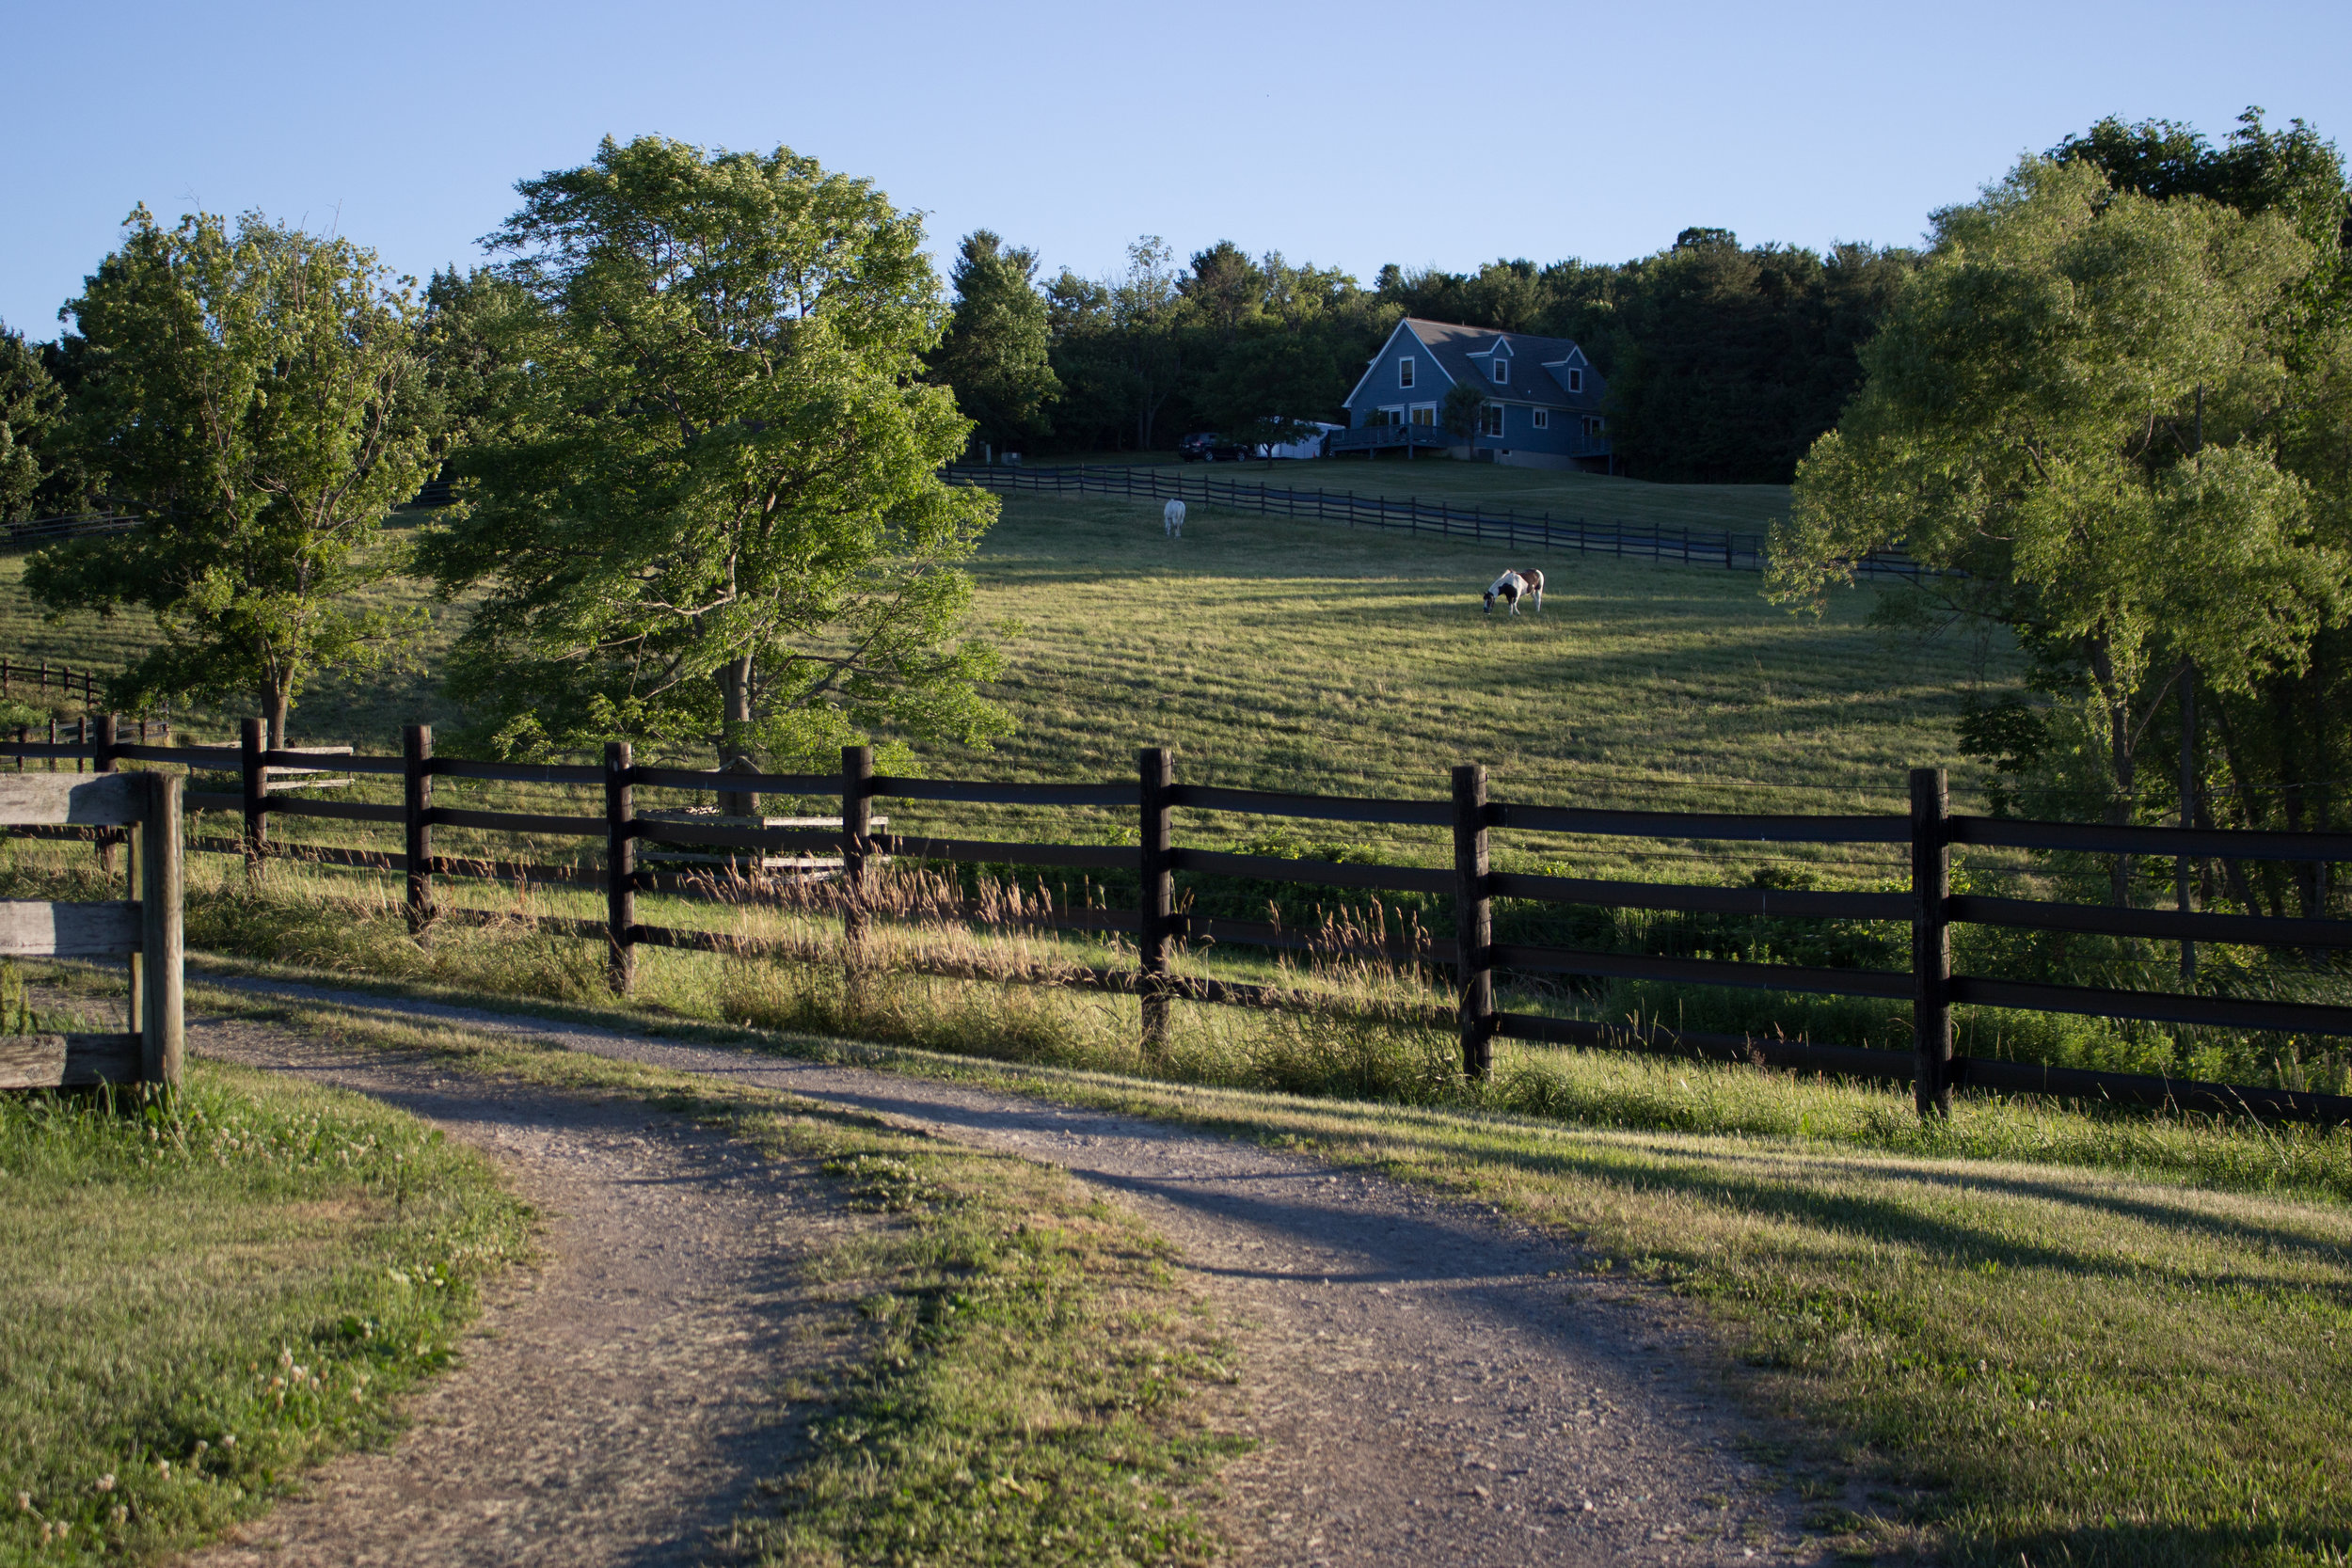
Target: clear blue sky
point(1350, 134)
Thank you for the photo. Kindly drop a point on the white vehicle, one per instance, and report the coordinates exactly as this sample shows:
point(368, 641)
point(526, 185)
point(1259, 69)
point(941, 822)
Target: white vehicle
point(1306, 445)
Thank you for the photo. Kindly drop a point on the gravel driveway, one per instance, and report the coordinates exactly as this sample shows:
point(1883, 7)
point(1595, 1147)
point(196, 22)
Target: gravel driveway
point(1433, 1383)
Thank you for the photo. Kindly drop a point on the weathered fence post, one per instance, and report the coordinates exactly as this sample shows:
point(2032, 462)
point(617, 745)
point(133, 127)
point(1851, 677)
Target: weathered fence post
point(416, 777)
point(161, 1028)
point(620, 869)
point(1473, 921)
point(857, 831)
point(104, 763)
point(1155, 909)
point(1931, 941)
point(256, 793)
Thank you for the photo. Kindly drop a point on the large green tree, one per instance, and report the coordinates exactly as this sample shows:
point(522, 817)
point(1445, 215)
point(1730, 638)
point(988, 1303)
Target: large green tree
point(707, 507)
point(2074, 405)
point(995, 352)
point(2274, 753)
point(255, 397)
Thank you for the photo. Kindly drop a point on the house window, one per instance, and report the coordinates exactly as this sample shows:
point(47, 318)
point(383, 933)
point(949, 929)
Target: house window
point(1390, 416)
point(1543, 419)
point(1404, 371)
point(1500, 369)
point(1425, 413)
point(1490, 420)
point(1592, 424)
point(1576, 381)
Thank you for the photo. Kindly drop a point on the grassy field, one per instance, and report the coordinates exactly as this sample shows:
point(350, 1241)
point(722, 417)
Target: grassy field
point(1318, 657)
point(2031, 1335)
point(1269, 650)
point(1596, 498)
point(199, 1299)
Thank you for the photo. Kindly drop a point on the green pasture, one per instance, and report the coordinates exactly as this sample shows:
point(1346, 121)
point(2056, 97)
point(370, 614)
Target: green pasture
point(1316, 656)
point(1596, 498)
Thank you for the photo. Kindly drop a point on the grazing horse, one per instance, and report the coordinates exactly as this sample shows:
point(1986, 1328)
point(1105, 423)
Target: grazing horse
point(1511, 585)
point(1172, 520)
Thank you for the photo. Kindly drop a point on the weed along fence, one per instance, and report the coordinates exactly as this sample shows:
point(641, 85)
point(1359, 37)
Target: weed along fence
point(854, 848)
point(1690, 547)
point(145, 930)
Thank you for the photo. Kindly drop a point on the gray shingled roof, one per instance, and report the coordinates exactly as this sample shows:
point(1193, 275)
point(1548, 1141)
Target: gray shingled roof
point(1451, 346)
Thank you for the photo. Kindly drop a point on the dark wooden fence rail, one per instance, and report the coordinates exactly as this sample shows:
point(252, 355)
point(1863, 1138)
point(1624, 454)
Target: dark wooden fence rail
point(1930, 908)
point(1655, 542)
point(49, 531)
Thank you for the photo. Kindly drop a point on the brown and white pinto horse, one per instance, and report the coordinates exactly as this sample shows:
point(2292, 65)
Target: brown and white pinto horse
point(1524, 581)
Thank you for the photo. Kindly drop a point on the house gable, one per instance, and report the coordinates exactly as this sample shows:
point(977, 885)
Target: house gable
point(1379, 386)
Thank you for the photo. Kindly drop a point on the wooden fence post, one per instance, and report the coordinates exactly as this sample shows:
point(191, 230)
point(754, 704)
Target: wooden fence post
point(1931, 941)
point(620, 869)
point(415, 748)
point(163, 940)
point(1473, 921)
point(256, 792)
point(1155, 909)
point(104, 763)
point(857, 831)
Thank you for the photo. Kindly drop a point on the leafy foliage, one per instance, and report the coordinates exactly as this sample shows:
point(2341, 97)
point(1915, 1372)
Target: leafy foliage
point(706, 499)
point(256, 398)
point(29, 406)
point(2074, 403)
point(994, 351)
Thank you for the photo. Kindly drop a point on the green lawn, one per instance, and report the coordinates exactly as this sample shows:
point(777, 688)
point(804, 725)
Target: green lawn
point(199, 1302)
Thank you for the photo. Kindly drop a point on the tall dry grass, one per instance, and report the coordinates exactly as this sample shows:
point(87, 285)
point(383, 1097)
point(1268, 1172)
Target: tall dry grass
point(943, 968)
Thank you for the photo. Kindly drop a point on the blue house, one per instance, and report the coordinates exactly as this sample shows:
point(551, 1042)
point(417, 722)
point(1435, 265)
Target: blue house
point(1542, 397)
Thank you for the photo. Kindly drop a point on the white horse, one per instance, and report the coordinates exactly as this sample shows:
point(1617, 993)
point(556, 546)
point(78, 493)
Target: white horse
point(1172, 520)
point(1512, 585)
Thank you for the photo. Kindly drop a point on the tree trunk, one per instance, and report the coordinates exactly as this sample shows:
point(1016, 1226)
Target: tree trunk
point(734, 677)
point(276, 698)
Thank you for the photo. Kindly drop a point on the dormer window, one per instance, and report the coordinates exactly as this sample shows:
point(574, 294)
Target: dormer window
point(1500, 369)
point(1404, 371)
point(1576, 381)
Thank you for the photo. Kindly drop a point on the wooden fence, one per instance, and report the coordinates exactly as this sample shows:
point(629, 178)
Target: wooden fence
point(145, 930)
point(1931, 909)
point(1689, 547)
point(49, 530)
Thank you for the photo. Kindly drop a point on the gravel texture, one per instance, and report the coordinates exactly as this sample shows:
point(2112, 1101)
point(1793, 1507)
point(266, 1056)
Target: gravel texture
point(1432, 1383)
point(617, 1405)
